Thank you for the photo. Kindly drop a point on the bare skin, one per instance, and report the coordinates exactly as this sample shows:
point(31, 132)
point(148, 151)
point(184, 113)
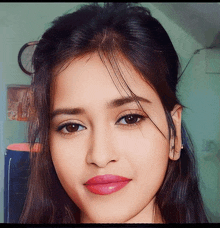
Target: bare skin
point(98, 139)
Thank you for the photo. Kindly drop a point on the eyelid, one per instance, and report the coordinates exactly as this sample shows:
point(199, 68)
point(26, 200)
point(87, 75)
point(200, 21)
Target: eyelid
point(131, 112)
point(61, 126)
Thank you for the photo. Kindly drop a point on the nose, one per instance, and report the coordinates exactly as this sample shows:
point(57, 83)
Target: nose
point(102, 150)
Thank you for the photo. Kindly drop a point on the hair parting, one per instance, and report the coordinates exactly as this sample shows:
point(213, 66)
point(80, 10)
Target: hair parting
point(115, 31)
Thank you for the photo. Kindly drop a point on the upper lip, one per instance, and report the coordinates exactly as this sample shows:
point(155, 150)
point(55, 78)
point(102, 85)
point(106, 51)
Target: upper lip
point(105, 179)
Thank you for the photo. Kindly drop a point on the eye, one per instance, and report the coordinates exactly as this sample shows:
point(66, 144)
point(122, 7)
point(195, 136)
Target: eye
point(68, 128)
point(130, 119)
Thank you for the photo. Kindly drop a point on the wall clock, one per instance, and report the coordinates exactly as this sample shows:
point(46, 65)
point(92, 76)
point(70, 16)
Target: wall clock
point(25, 57)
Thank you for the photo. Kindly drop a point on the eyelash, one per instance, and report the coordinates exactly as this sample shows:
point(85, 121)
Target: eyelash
point(65, 125)
point(139, 118)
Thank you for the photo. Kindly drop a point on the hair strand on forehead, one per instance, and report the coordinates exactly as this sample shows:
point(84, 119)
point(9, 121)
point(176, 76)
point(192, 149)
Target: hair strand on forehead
point(117, 32)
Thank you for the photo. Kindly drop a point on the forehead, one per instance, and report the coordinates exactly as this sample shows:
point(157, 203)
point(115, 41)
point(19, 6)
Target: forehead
point(90, 79)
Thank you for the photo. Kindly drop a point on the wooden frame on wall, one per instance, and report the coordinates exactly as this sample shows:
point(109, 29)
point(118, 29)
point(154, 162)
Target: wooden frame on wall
point(19, 99)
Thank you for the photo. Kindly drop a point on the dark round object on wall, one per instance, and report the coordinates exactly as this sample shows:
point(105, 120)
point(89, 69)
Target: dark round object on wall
point(25, 57)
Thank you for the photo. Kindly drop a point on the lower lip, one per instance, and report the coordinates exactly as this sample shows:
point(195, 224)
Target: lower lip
point(105, 189)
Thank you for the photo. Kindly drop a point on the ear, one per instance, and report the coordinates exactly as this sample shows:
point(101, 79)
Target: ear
point(176, 143)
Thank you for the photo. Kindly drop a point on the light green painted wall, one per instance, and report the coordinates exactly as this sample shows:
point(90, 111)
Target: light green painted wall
point(23, 22)
point(200, 93)
point(19, 23)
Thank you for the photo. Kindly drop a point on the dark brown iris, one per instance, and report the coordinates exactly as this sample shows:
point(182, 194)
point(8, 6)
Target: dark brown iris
point(131, 119)
point(72, 127)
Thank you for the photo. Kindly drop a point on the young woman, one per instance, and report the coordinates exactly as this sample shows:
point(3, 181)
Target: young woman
point(114, 149)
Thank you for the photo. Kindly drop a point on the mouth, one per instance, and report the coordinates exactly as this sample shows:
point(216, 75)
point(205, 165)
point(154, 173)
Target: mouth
point(106, 184)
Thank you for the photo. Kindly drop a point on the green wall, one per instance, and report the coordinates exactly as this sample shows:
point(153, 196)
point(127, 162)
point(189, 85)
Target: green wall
point(19, 23)
point(23, 22)
point(200, 93)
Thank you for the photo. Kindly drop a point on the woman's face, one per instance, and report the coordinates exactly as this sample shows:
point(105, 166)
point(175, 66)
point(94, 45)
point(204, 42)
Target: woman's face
point(109, 156)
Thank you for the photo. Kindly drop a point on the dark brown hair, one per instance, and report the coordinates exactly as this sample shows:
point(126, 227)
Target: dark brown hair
point(115, 28)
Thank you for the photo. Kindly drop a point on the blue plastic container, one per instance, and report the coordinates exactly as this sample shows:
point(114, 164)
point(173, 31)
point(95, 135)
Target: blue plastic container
point(17, 171)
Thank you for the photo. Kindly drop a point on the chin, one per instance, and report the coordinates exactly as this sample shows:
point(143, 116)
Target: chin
point(116, 217)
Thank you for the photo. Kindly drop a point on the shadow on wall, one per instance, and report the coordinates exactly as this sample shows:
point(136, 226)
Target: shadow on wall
point(216, 41)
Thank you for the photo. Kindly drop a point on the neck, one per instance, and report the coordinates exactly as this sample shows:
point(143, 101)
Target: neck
point(157, 217)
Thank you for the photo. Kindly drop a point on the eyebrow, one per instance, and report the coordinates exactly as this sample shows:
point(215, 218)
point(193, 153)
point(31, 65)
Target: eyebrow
point(125, 100)
point(67, 111)
point(113, 104)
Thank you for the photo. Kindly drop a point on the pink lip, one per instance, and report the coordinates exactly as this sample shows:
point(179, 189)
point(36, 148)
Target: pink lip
point(106, 184)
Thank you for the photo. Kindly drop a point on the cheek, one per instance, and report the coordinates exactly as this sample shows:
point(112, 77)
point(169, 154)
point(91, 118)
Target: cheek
point(148, 155)
point(68, 163)
point(67, 159)
point(150, 165)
